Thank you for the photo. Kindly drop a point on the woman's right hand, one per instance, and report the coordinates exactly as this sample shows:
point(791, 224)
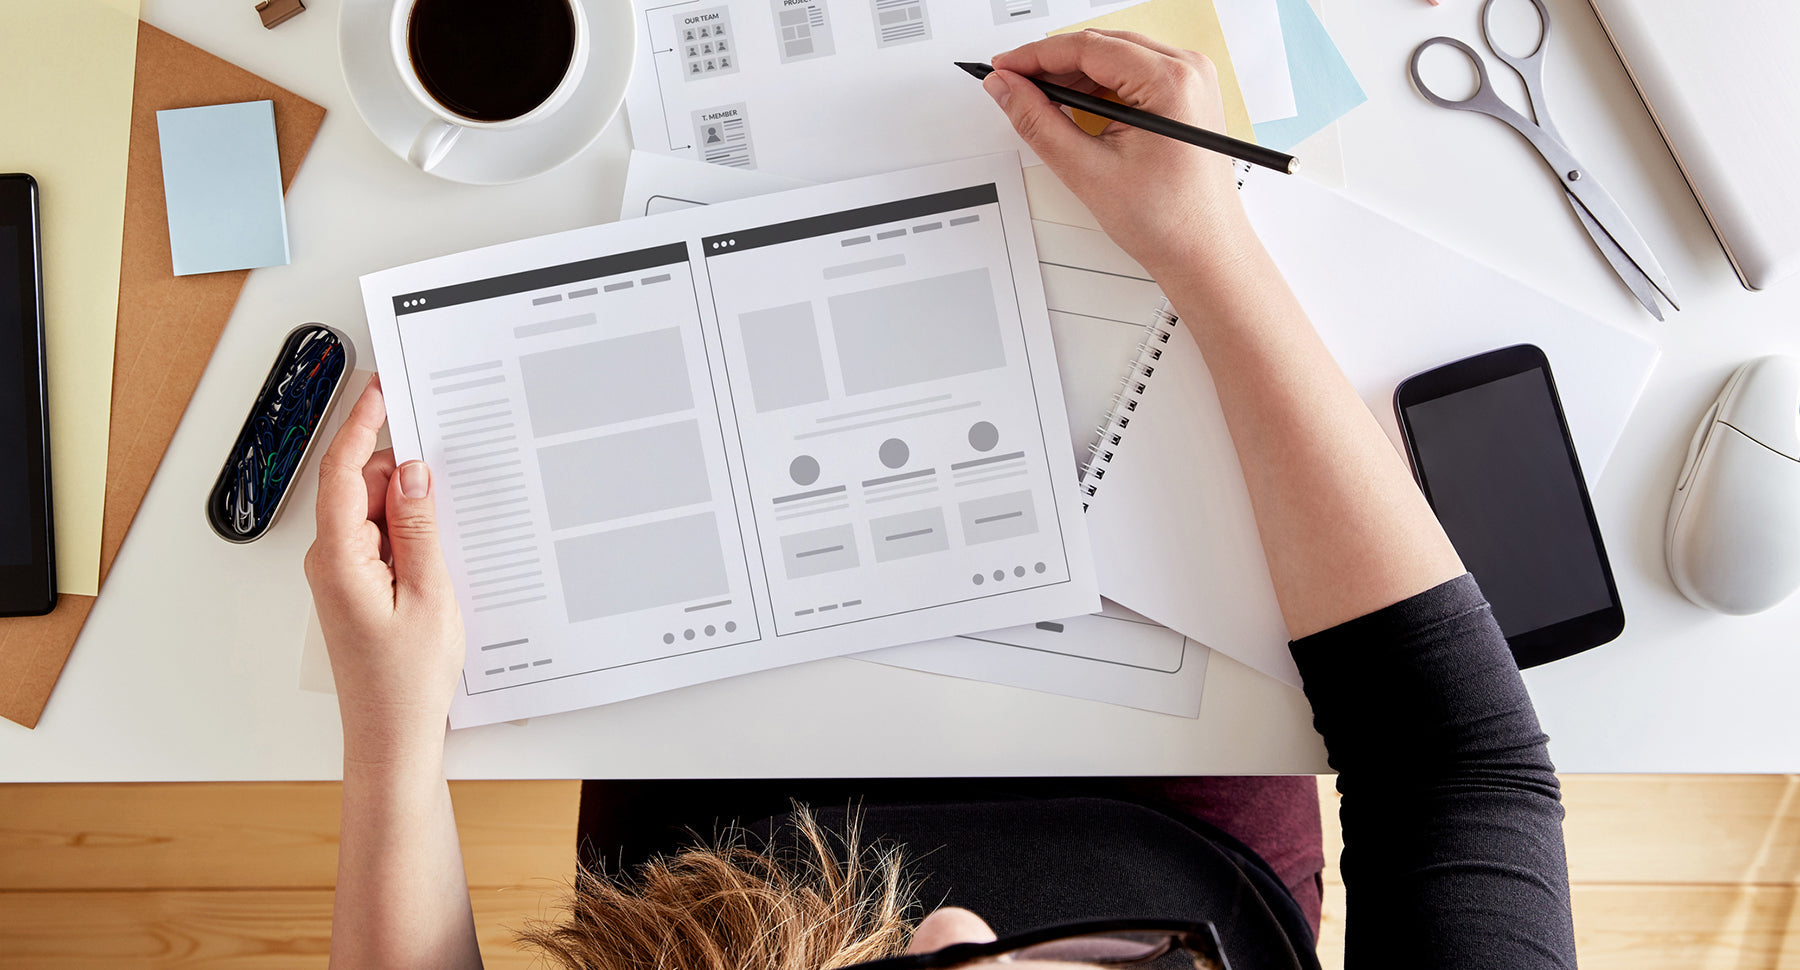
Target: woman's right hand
point(1172, 206)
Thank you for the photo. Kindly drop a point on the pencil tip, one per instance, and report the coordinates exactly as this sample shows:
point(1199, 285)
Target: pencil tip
point(976, 71)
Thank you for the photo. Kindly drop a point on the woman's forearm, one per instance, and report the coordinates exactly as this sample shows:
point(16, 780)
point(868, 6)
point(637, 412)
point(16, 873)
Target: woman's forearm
point(1344, 528)
point(402, 898)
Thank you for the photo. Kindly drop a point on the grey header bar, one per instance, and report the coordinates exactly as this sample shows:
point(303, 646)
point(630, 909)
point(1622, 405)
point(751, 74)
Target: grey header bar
point(866, 266)
point(465, 385)
point(815, 493)
point(903, 476)
point(552, 326)
point(989, 460)
point(472, 368)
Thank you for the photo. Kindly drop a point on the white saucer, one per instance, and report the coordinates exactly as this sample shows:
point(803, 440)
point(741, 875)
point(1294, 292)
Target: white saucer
point(488, 157)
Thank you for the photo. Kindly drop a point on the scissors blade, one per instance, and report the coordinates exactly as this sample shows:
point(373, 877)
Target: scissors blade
point(1628, 271)
point(1599, 206)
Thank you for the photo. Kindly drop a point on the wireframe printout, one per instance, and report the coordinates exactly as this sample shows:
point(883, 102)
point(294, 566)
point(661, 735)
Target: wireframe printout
point(736, 437)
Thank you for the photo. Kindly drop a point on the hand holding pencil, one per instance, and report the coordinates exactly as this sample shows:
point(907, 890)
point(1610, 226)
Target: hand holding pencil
point(1173, 206)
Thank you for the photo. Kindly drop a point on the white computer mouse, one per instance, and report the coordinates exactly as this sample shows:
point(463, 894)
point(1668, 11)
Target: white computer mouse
point(1733, 542)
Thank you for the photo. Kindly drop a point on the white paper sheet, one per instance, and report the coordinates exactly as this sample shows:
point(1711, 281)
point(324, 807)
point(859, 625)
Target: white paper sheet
point(655, 184)
point(1259, 55)
point(827, 90)
point(1099, 300)
point(730, 438)
point(1174, 536)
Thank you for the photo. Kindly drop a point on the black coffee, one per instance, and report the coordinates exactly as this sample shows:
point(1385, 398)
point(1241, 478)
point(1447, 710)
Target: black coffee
point(491, 60)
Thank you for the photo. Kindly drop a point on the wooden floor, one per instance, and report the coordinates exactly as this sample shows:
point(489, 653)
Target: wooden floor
point(1669, 872)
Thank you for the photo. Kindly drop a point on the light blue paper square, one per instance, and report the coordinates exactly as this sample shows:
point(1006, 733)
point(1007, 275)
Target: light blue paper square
point(222, 180)
point(1324, 88)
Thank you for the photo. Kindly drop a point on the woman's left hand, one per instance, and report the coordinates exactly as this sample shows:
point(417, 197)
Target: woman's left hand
point(383, 594)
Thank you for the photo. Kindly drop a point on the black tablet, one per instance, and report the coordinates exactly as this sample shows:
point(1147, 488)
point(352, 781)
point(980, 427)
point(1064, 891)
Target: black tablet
point(27, 550)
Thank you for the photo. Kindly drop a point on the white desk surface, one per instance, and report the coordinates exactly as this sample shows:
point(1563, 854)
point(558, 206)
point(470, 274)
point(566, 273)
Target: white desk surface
point(189, 665)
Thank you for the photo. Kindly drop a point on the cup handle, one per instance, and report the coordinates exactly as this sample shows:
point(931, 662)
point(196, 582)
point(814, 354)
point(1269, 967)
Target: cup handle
point(433, 142)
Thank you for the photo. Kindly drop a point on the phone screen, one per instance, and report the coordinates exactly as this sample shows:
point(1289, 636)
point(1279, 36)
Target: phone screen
point(1503, 482)
point(17, 414)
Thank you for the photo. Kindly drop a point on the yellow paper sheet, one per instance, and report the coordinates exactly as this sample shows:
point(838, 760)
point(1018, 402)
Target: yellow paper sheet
point(65, 118)
point(1192, 25)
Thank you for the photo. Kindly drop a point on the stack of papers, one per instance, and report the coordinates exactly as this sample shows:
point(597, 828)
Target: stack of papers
point(807, 90)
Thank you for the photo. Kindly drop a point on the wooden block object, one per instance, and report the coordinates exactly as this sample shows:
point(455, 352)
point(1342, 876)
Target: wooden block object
point(276, 835)
point(168, 326)
point(249, 929)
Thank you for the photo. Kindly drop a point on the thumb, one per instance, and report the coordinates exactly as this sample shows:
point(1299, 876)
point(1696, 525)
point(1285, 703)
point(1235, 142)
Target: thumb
point(419, 571)
point(1050, 133)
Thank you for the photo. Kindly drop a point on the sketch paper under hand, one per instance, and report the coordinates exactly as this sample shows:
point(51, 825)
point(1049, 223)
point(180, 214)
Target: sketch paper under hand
point(827, 90)
point(1099, 301)
point(1188, 24)
point(734, 437)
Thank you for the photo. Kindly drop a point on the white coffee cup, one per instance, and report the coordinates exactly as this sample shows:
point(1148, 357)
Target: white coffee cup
point(434, 141)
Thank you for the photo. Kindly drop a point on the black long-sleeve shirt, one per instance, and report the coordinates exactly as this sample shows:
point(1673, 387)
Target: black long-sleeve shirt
point(1453, 848)
point(1453, 851)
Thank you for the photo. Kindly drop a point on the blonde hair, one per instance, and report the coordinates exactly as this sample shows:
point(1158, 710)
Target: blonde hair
point(799, 906)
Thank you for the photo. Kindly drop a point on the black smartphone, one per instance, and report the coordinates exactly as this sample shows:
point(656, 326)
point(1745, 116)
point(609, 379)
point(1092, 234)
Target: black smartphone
point(1490, 448)
point(27, 539)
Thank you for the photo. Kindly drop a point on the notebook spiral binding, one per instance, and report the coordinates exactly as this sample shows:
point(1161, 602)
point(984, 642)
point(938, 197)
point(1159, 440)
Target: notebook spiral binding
point(1112, 432)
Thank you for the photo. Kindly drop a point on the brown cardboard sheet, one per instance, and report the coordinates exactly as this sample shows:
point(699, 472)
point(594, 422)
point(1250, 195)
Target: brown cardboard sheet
point(168, 326)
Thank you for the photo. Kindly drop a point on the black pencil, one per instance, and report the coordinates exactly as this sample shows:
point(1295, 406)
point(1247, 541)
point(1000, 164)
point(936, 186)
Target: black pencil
point(1137, 118)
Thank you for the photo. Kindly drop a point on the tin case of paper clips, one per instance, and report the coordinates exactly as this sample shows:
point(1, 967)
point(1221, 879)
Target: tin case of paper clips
point(306, 380)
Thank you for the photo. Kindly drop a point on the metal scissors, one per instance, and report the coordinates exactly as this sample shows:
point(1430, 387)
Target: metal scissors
point(1616, 238)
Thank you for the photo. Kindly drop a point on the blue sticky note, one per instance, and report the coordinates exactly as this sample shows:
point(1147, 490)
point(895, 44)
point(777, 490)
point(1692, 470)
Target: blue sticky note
point(222, 179)
point(1324, 88)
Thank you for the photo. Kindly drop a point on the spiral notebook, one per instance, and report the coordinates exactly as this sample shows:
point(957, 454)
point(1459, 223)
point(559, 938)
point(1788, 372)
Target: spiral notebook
point(1169, 514)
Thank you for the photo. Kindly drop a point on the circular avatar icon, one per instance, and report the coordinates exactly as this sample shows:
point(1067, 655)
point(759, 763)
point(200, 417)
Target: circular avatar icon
point(983, 436)
point(804, 470)
point(894, 452)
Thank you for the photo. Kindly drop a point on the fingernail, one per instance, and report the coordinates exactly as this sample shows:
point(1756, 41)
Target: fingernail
point(997, 89)
point(415, 479)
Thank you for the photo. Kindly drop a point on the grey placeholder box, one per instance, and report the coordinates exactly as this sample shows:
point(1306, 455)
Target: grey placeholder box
point(606, 382)
point(620, 475)
point(998, 517)
point(781, 347)
point(641, 567)
point(819, 551)
point(917, 331)
point(909, 534)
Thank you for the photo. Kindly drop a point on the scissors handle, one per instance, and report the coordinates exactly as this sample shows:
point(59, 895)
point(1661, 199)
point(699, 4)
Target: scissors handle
point(1529, 66)
point(1483, 100)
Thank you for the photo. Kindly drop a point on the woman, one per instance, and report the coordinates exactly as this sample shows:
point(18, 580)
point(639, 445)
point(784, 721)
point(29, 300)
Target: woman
point(1453, 847)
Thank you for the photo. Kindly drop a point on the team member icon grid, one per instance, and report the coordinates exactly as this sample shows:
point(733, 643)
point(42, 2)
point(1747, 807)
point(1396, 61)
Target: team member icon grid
point(707, 43)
